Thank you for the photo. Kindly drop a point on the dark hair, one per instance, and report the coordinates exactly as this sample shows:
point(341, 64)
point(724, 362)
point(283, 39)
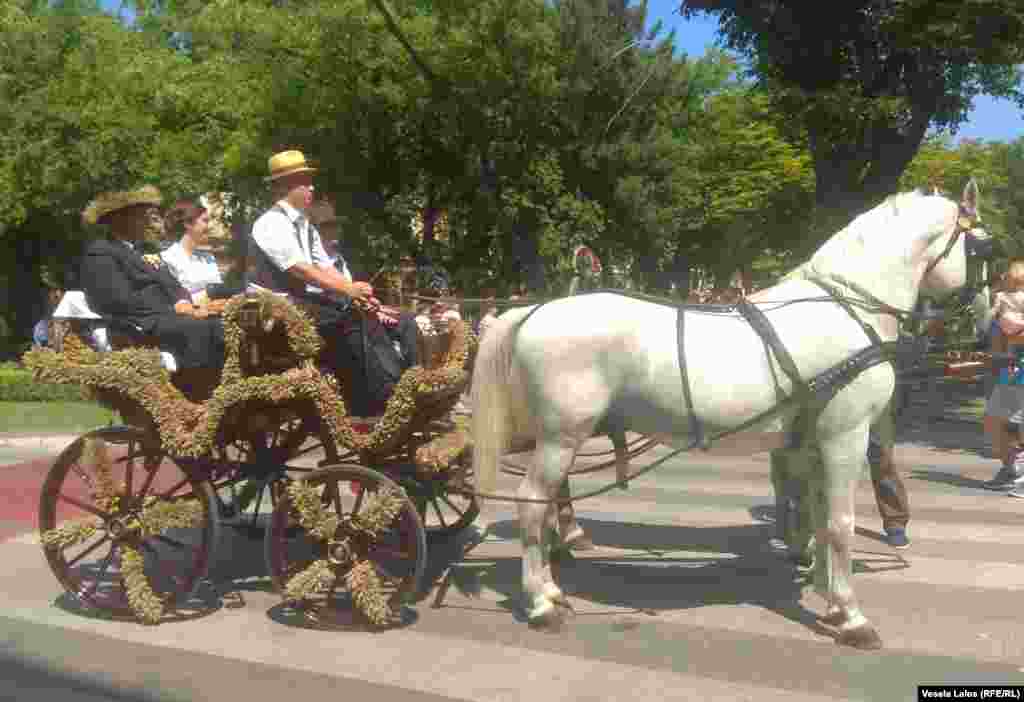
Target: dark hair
point(184, 212)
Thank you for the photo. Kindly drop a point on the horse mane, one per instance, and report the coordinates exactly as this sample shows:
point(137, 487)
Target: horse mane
point(852, 253)
point(854, 240)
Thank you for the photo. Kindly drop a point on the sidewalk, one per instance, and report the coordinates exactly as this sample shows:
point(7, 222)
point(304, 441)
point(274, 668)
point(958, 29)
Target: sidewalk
point(19, 448)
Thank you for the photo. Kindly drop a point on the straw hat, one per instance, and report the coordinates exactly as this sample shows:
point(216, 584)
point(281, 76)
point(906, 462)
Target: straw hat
point(287, 163)
point(106, 204)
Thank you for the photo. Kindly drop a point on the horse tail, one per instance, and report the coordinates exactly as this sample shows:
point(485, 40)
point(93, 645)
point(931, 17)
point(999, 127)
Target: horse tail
point(495, 413)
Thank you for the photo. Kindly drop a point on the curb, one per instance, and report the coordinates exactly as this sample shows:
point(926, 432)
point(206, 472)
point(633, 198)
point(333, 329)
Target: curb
point(52, 442)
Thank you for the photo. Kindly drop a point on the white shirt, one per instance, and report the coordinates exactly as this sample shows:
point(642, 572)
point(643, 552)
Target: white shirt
point(275, 233)
point(194, 272)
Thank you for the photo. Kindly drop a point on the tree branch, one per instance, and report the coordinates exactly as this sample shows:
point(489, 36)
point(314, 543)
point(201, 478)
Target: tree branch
point(396, 31)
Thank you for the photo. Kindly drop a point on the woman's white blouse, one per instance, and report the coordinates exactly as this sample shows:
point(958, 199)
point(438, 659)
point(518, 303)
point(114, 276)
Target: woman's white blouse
point(194, 272)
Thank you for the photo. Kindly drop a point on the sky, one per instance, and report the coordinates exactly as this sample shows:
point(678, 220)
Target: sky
point(992, 119)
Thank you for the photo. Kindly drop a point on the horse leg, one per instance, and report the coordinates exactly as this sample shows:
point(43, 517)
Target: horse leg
point(833, 494)
point(552, 460)
point(570, 532)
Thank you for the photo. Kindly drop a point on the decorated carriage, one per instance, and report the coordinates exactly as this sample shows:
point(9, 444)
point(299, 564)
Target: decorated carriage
point(145, 502)
point(130, 516)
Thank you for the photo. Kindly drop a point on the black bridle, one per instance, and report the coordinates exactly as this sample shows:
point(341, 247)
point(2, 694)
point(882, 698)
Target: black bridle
point(965, 221)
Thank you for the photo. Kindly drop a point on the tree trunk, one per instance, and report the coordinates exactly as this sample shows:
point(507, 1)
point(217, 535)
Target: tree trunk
point(852, 178)
point(429, 215)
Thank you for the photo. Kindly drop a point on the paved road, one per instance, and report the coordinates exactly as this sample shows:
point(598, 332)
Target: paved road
point(683, 600)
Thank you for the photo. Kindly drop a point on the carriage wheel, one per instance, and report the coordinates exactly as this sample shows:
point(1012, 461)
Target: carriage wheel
point(346, 547)
point(443, 508)
point(251, 468)
point(126, 530)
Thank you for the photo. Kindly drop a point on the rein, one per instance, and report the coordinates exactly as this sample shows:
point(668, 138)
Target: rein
point(812, 395)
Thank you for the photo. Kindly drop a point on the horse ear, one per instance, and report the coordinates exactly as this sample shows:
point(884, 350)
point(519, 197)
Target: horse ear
point(971, 197)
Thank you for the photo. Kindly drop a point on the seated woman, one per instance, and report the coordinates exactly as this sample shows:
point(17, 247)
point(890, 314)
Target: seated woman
point(196, 271)
point(118, 283)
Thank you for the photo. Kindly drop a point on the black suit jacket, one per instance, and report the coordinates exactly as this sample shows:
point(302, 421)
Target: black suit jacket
point(119, 283)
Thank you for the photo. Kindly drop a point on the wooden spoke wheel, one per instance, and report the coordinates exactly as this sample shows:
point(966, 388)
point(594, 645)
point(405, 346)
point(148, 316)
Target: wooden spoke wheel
point(346, 548)
point(127, 530)
point(256, 454)
point(444, 509)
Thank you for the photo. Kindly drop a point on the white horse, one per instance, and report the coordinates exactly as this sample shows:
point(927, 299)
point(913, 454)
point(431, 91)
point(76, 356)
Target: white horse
point(551, 373)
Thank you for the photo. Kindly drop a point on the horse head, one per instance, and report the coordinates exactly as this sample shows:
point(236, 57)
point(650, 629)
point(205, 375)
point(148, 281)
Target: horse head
point(911, 243)
point(947, 255)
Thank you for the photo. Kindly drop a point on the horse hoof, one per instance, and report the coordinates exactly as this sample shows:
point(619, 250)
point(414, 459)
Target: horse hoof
point(552, 592)
point(864, 638)
point(581, 543)
point(562, 602)
point(548, 617)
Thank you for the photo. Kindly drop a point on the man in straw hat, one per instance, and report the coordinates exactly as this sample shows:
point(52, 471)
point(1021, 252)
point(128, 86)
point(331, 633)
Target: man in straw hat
point(287, 255)
point(119, 284)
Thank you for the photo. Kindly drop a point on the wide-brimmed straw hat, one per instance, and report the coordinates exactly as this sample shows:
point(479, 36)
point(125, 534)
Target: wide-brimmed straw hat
point(288, 163)
point(106, 204)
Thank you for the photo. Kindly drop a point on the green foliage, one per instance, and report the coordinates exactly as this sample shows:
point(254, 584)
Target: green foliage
point(17, 385)
point(861, 83)
point(745, 188)
point(997, 167)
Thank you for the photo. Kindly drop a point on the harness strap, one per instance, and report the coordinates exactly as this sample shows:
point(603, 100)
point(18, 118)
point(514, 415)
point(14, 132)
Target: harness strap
point(696, 426)
point(828, 384)
point(760, 324)
point(873, 336)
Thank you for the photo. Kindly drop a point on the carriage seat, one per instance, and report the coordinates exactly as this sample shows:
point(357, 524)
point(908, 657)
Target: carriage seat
point(104, 331)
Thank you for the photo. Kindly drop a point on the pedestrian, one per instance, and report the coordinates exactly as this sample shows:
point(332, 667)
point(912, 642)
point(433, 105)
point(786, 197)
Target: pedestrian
point(1005, 406)
point(42, 335)
point(890, 492)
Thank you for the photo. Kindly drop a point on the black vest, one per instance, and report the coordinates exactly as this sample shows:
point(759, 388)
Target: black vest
point(263, 272)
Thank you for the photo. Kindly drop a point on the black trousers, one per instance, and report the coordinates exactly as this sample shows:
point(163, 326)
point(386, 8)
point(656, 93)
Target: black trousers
point(363, 352)
point(195, 343)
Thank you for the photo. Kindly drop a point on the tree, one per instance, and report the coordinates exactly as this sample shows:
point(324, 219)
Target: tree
point(536, 126)
point(998, 168)
point(862, 81)
point(745, 189)
point(86, 105)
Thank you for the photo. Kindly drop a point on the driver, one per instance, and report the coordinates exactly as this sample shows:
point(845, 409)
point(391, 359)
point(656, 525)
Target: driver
point(288, 256)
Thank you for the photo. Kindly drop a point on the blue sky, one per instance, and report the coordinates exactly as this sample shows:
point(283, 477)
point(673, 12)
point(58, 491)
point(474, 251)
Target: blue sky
point(992, 119)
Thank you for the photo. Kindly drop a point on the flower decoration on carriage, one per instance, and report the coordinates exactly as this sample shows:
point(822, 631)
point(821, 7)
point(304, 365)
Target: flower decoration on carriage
point(133, 382)
point(345, 540)
point(127, 522)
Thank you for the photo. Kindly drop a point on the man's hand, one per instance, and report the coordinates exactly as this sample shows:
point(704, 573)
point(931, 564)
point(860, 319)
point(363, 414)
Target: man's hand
point(360, 291)
point(216, 307)
point(186, 308)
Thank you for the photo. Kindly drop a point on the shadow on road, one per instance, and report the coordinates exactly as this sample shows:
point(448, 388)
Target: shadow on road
point(27, 681)
point(654, 574)
point(946, 478)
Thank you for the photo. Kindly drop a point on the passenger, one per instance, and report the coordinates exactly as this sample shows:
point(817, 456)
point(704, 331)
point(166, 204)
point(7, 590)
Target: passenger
point(42, 335)
point(288, 256)
point(118, 283)
point(197, 271)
